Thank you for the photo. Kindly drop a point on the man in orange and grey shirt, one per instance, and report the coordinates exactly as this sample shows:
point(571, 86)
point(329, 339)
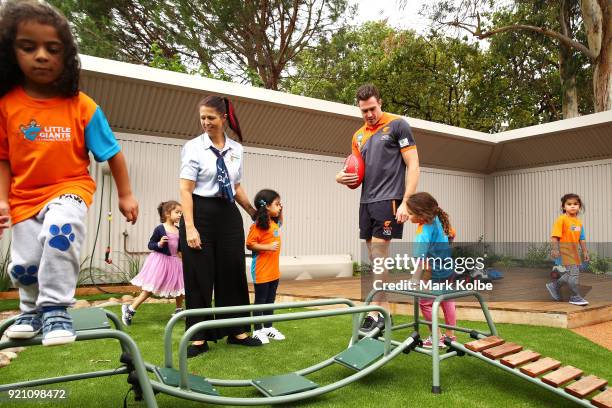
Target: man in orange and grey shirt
point(387, 146)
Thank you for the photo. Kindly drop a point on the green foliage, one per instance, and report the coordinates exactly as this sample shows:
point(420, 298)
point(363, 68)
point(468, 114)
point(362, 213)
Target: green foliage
point(435, 77)
point(599, 264)
point(505, 261)
point(171, 63)
point(123, 269)
point(5, 279)
point(514, 78)
point(89, 274)
point(254, 42)
point(356, 268)
point(537, 255)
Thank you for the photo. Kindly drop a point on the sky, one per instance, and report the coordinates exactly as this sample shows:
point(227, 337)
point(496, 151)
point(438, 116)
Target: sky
point(407, 17)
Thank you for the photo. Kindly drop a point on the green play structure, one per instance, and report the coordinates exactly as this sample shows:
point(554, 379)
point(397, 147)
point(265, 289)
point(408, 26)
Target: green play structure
point(363, 354)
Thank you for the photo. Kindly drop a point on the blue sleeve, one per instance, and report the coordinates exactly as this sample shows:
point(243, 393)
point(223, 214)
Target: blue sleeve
point(582, 237)
point(99, 137)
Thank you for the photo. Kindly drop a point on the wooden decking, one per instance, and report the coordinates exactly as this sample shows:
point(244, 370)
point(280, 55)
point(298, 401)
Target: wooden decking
point(541, 313)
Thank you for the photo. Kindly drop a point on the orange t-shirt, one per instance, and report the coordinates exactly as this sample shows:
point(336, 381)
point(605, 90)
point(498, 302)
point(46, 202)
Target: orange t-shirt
point(265, 264)
point(47, 142)
point(570, 232)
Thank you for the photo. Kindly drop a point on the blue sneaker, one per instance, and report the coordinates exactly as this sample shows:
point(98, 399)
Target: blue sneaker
point(57, 328)
point(553, 290)
point(578, 301)
point(26, 326)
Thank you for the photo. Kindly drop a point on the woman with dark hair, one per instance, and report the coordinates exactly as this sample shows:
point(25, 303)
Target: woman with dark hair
point(211, 230)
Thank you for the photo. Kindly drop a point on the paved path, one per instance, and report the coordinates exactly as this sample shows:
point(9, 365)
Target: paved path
point(598, 333)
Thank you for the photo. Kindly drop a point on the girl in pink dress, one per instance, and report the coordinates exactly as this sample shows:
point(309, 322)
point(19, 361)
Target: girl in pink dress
point(162, 272)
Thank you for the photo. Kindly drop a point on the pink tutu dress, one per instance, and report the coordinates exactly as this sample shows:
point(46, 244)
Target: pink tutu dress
point(162, 274)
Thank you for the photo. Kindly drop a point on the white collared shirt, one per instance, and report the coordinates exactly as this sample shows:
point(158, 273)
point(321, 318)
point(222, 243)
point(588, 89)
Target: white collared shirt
point(199, 164)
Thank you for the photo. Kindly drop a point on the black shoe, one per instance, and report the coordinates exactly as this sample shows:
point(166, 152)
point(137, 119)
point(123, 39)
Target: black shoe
point(370, 323)
point(247, 341)
point(194, 350)
point(380, 323)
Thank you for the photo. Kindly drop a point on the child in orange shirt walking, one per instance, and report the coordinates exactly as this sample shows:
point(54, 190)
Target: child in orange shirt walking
point(264, 241)
point(567, 235)
point(47, 129)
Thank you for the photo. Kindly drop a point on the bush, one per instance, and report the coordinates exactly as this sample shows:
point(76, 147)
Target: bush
point(537, 256)
point(5, 279)
point(599, 264)
point(356, 268)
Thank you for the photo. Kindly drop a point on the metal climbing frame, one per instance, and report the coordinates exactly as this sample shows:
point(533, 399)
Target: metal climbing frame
point(90, 324)
point(437, 299)
point(363, 356)
point(305, 388)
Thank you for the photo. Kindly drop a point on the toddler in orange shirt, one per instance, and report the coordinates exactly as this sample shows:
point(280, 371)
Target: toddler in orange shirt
point(264, 240)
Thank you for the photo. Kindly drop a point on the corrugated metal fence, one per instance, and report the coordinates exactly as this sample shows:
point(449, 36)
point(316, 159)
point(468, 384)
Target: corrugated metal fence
point(321, 217)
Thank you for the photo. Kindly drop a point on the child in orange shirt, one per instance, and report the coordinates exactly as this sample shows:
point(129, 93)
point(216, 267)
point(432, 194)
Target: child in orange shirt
point(47, 129)
point(264, 241)
point(567, 235)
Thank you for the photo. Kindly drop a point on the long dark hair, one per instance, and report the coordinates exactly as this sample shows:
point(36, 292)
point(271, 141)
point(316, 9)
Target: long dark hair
point(14, 12)
point(263, 199)
point(424, 206)
point(224, 107)
point(165, 207)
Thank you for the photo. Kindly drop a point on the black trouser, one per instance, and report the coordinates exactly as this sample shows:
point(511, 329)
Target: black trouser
point(219, 266)
point(265, 293)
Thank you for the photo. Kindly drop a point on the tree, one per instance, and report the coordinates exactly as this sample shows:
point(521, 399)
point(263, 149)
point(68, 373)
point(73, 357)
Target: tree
point(439, 78)
point(255, 41)
point(528, 60)
point(596, 17)
point(425, 77)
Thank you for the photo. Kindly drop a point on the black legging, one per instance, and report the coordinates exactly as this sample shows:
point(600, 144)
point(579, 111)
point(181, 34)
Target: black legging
point(219, 266)
point(265, 293)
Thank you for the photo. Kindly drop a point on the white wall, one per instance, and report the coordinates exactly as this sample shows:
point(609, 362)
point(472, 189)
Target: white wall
point(527, 201)
point(321, 217)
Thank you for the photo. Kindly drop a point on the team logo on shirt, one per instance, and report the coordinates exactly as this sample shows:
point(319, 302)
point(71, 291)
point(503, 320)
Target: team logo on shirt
point(34, 131)
point(359, 139)
point(575, 228)
point(403, 142)
point(31, 130)
point(386, 130)
point(387, 228)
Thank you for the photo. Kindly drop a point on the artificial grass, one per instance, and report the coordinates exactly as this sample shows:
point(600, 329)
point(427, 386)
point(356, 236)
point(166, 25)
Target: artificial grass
point(403, 382)
point(13, 304)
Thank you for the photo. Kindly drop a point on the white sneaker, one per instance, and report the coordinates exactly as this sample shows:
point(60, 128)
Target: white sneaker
point(274, 334)
point(261, 336)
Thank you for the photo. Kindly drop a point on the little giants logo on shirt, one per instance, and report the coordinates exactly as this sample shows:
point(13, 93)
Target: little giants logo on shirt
point(30, 131)
point(34, 131)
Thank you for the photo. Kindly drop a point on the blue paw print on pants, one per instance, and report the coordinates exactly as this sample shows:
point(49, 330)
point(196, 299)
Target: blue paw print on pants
point(61, 242)
point(25, 276)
